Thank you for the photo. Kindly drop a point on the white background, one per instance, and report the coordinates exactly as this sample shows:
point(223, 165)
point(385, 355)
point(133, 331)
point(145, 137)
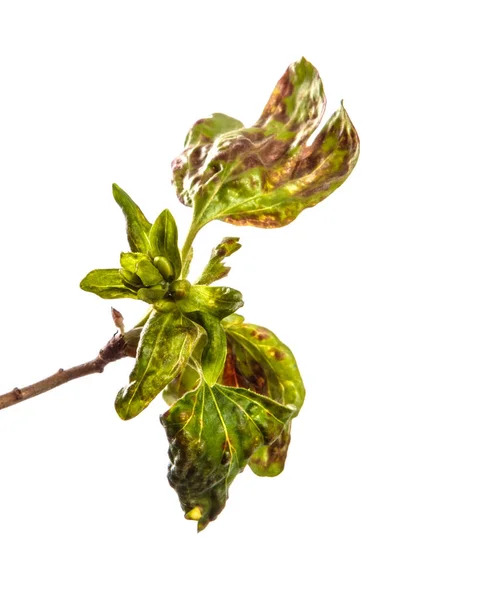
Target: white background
point(387, 292)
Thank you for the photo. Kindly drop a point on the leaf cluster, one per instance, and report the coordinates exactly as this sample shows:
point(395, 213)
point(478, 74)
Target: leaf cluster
point(232, 387)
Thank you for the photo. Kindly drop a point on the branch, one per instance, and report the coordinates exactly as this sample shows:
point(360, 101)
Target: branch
point(118, 347)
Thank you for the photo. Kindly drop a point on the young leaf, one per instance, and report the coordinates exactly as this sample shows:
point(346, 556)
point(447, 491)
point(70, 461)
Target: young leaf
point(220, 302)
point(166, 343)
point(108, 284)
point(266, 175)
point(163, 241)
point(148, 273)
point(259, 361)
point(140, 265)
point(129, 260)
point(214, 351)
point(216, 269)
point(153, 294)
point(137, 225)
point(213, 431)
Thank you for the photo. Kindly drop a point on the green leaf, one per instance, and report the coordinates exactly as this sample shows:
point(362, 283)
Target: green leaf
point(163, 241)
point(137, 225)
point(213, 431)
point(266, 175)
point(108, 284)
point(165, 346)
point(257, 360)
point(214, 351)
point(220, 302)
point(216, 269)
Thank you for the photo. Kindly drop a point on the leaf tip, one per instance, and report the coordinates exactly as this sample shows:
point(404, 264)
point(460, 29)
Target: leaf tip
point(201, 526)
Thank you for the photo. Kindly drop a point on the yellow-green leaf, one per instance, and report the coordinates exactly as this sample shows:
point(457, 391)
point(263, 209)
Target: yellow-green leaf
point(165, 346)
point(108, 284)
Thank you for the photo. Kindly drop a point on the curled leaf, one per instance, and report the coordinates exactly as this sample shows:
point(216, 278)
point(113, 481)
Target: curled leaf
point(257, 360)
point(213, 431)
point(214, 351)
point(266, 175)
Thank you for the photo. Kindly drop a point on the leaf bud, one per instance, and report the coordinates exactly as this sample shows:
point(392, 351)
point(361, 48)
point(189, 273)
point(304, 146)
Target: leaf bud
point(180, 288)
point(165, 267)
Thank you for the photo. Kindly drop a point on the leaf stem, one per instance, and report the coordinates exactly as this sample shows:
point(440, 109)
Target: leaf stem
point(192, 233)
point(116, 348)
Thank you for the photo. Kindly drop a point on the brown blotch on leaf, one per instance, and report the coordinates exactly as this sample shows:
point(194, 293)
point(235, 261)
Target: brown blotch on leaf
point(272, 150)
point(277, 354)
point(275, 107)
point(229, 375)
point(308, 192)
point(259, 334)
point(266, 222)
point(197, 157)
point(234, 149)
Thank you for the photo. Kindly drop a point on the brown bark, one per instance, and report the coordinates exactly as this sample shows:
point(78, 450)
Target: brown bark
point(115, 349)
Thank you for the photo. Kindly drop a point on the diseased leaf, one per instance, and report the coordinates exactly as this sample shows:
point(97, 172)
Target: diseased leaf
point(257, 360)
point(266, 175)
point(213, 431)
point(137, 225)
point(165, 346)
point(163, 241)
point(214, 350)
point(217, 301)
point(216, 269)
point(108, 284)
point(197, 143)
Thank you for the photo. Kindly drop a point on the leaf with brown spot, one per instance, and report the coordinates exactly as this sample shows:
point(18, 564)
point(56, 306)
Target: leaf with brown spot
point(257, 360)
point(266, 175)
